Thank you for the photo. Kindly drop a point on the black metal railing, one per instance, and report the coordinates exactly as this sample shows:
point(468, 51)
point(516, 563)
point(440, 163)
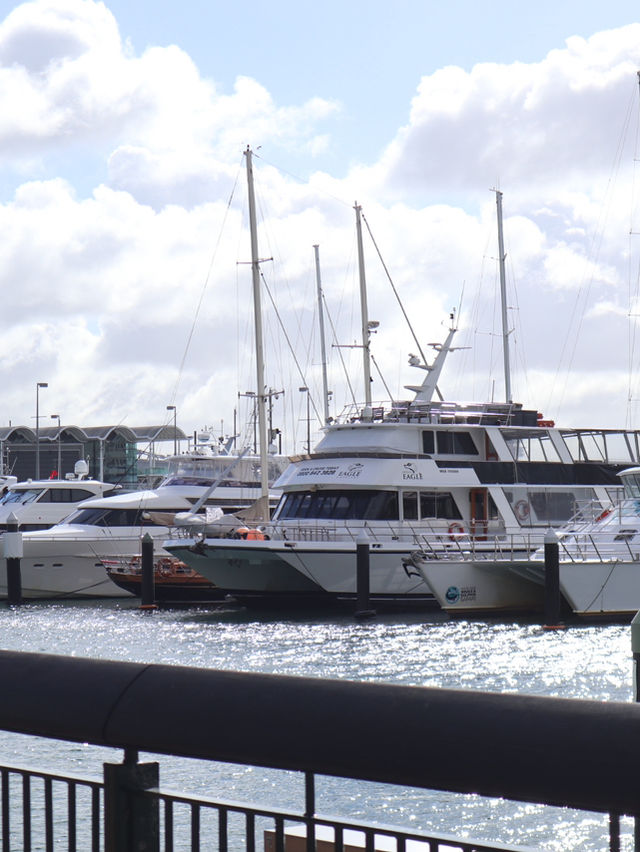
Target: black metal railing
point(579, 754)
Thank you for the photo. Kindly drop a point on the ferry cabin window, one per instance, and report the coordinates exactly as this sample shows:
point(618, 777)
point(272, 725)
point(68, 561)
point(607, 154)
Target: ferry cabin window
point(542, 507)
point(428, 442)
point(438, 504)
point(455, 443)
point(339, 505)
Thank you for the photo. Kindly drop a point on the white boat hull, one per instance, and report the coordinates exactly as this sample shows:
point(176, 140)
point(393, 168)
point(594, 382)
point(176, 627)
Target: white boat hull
point(70, 566)
point(279, 568)
point(472, 586)
point(601, 588)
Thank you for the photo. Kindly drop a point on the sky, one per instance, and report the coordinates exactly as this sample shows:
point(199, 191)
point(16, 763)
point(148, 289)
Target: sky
point(123, 213)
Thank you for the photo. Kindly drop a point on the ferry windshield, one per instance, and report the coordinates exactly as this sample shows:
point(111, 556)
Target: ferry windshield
point(339, 505)
point(22, 496)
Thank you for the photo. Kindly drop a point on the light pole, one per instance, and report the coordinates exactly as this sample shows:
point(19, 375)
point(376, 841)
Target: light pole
point(175, 435)
point(38, 386)
point(57, 417)
point(305, 389)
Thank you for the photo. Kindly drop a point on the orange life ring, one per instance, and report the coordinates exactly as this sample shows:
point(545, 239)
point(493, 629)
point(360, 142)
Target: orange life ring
point(455, 531)
point(255, 535)
point(522, 510)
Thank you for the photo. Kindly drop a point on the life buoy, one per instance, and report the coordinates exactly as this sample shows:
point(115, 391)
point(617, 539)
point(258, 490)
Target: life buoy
point(455, 531)
point(255, 535)
point(522, 510)
point(603, 515)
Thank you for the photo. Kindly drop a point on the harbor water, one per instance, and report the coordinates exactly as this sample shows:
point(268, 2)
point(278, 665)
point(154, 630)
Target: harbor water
point(590, 661)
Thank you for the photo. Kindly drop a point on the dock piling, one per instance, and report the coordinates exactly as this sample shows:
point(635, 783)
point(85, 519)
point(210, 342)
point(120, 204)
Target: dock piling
point(363, 608)
point(148, 591)
point(13, 551)
point(552, 597)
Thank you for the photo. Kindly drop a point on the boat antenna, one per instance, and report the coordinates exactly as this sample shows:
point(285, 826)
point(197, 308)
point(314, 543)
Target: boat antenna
point(503, 300)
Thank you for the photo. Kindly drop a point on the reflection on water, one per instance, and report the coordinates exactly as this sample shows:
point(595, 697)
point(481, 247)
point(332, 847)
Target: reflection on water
point(580, 662)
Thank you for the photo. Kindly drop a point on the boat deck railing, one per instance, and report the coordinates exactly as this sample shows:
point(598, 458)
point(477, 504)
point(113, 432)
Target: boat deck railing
point(560, 752)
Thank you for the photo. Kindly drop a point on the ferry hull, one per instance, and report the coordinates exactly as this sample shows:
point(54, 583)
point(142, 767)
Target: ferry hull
point(480, 586)
point(278, 568)
point(601, 588)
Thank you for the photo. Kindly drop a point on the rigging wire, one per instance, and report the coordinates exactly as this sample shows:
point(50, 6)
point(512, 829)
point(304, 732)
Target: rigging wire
point(593, 254)
point(204, 289)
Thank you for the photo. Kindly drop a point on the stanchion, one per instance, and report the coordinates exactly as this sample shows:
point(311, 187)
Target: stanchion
point(12, 541)
point(363, 609)
point(552, 598)
point(148, 591)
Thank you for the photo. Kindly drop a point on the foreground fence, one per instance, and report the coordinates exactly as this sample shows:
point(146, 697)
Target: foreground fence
point(579, 754)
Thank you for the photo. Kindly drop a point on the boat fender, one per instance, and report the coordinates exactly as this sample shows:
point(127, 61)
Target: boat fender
point(455, 531)
point(522, 510)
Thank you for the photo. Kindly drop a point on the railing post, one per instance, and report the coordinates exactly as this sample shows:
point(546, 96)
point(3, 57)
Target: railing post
point(13, 552)
point(131, 820)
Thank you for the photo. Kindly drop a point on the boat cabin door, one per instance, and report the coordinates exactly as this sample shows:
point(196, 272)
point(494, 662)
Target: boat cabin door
point(479, 512)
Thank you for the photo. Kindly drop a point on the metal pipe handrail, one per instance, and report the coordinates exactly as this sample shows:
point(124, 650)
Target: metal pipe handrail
point(575, 753)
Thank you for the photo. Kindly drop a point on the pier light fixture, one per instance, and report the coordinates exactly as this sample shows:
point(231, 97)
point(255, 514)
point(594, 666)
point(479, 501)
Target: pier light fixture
point(38, 386)
point(175, 428)
point(57, 417)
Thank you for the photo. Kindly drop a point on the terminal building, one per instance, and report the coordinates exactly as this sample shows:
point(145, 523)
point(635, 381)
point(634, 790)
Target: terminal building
point(123, 455)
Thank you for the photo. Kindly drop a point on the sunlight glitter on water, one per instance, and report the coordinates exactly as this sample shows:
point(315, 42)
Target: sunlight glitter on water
point(580, 662)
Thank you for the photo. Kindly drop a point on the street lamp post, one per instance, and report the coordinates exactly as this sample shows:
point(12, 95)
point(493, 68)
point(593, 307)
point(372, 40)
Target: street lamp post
point(175, 433)
point(305, 389)
point(57, 417)
point(38, 386)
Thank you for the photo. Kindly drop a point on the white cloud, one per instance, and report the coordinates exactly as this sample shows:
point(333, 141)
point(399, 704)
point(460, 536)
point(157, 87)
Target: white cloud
point(136, 199)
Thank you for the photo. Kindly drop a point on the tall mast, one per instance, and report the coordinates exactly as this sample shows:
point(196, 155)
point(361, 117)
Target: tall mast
point(366, 361)
point(503, 300)
point(257, 315)
point(323, 348)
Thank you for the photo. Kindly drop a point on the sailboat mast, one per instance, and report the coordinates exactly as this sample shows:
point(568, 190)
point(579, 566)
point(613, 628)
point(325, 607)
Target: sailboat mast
point(323, 348)
point(257, 315)
point(366, 360)
point(503, 300)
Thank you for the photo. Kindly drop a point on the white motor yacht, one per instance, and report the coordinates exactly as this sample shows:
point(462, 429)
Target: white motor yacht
point(67, 560)
point(38, 504)
point(422, 475)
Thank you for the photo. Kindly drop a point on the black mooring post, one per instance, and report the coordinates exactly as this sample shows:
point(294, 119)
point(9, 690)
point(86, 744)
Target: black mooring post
point(363, 609)
point(12, 540)
point(551, 581)
point(148, 592)
point(635, 650)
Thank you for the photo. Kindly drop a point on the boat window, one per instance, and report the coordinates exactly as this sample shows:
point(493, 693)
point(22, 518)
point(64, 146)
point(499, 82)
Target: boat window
point(456, 443)
point(105, 517)
point(536, 447)
point(619, 448)
point(551, 507)
point(338, 505)
point(21, 496)
point(438, 504)
point(65, 495)
point(428, 442)
point(631, 483)
point(410, 505)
